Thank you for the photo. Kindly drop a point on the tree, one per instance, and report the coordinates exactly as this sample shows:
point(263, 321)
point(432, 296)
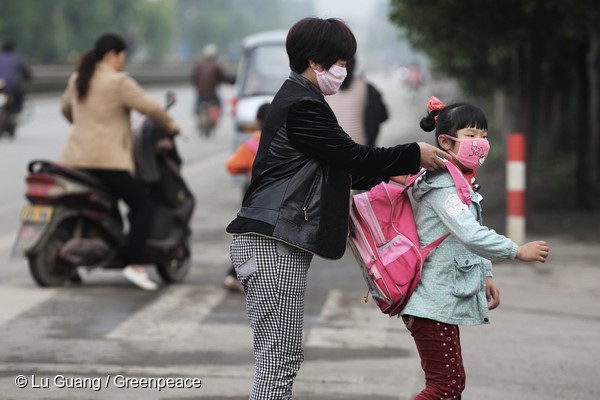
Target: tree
point(542, 53)
point(58, 31)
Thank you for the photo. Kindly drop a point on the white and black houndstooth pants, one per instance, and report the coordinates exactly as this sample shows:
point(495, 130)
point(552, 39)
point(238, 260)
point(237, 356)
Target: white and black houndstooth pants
point(274, 278)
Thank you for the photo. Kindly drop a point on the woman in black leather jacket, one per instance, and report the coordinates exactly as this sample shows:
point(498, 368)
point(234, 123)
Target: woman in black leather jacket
point(297, 202)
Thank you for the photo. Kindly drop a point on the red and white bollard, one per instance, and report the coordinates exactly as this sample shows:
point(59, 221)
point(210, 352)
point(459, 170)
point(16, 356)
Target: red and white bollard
point(515, 186)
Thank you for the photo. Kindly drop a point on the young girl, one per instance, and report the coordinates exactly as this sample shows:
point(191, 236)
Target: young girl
point(456, 286)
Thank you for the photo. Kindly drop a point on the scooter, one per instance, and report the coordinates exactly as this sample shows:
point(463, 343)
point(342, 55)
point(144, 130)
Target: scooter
point(207, 116)
point(73, 221)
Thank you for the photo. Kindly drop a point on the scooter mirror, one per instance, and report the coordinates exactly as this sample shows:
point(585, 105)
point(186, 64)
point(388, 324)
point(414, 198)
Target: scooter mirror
point(171, 99)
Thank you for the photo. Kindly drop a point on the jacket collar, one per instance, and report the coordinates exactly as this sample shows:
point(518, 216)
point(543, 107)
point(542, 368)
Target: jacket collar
point(105, 66)
point(302, 81)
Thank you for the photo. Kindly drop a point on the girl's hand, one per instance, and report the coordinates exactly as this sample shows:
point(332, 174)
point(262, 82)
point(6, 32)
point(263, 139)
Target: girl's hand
point(492, 293)
point(533, 251)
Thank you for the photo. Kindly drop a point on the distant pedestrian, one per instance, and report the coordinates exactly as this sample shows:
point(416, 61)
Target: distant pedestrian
point(240, 162)
point(297, 202)
point(359, 107)
point(456, 286)
point(414, 76)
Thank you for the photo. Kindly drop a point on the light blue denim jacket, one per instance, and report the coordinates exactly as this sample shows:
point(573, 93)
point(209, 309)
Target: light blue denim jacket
point(452, 286)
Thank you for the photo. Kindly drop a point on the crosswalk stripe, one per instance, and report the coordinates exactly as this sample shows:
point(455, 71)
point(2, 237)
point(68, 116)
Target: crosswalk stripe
point(17, 300)
point(184, 312)
point(6, 241)
point(176, 314)
point(346, 322)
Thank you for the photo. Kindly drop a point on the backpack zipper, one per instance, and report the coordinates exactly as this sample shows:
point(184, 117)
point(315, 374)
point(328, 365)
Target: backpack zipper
point(376, 232)
point(365, 250)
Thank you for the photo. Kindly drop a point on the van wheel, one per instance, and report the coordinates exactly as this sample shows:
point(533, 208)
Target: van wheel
point(46, 266)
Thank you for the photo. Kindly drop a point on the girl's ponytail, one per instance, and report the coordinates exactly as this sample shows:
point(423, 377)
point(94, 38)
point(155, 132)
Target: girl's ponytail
point(428, 123)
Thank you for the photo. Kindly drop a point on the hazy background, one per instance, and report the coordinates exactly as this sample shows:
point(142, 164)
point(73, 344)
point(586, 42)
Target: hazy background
point(532, 65)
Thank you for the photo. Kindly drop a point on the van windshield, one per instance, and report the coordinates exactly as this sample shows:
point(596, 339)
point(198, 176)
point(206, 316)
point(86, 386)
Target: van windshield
point(266, 70)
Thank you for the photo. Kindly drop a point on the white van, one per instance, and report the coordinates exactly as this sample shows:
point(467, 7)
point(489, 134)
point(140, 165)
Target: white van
point(263, 68)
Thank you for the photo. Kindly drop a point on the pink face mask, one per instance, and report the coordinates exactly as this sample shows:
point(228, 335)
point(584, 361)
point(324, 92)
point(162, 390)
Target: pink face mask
point(471, 152)
point(331, 79)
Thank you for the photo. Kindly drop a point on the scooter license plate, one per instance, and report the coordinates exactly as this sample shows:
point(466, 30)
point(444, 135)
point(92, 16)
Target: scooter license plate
point(36, 213)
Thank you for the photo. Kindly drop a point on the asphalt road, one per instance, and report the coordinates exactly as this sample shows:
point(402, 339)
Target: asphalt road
point(106, 339)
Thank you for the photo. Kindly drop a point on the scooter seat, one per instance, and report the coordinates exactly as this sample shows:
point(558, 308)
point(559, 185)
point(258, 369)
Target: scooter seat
point(50, 167)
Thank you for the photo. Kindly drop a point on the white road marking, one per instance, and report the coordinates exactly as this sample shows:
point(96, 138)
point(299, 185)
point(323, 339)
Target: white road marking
point(346, 322)
point(17, 300)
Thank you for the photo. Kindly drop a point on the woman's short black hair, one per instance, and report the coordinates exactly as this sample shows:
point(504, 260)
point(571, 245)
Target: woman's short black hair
point(324, 41)
point(453, 118)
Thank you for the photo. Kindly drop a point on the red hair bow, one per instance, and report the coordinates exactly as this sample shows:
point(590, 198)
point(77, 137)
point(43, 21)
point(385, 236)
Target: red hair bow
point(435, 105)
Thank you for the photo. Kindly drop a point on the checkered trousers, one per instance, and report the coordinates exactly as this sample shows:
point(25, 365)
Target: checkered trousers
point(274, 278)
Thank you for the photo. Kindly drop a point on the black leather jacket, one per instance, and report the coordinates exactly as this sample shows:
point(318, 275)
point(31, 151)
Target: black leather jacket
point(304, 170)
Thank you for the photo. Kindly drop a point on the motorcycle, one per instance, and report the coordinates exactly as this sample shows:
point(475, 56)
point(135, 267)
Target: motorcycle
point(208, 114)
point(8, 113)
point(73, 221)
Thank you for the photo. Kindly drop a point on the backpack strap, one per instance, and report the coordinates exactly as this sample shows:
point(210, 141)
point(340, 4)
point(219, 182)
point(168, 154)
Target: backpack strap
point(462, 186)
point(431, 246)
point(412, 178)
point(462, 189)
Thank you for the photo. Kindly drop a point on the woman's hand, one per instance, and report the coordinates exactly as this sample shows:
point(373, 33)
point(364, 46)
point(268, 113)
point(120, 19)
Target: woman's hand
point(164, 144)
point(492, 294)
point(431, 157)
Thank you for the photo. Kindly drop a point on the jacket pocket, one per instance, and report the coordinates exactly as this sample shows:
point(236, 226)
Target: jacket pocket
point(308, 200)
point(467, 281)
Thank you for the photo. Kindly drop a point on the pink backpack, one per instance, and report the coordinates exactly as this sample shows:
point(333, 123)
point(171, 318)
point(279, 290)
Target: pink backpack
point(383, 237)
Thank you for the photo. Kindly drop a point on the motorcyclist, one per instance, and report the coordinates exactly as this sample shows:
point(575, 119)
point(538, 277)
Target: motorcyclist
point(207, 75)
point(13, 72)
point(97, 101)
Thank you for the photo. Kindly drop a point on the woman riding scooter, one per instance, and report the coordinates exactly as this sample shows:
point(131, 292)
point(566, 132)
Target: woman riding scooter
point(97, 101)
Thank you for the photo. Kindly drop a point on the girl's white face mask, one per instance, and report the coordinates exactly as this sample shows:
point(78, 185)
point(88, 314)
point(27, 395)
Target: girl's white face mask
point(331, 79)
